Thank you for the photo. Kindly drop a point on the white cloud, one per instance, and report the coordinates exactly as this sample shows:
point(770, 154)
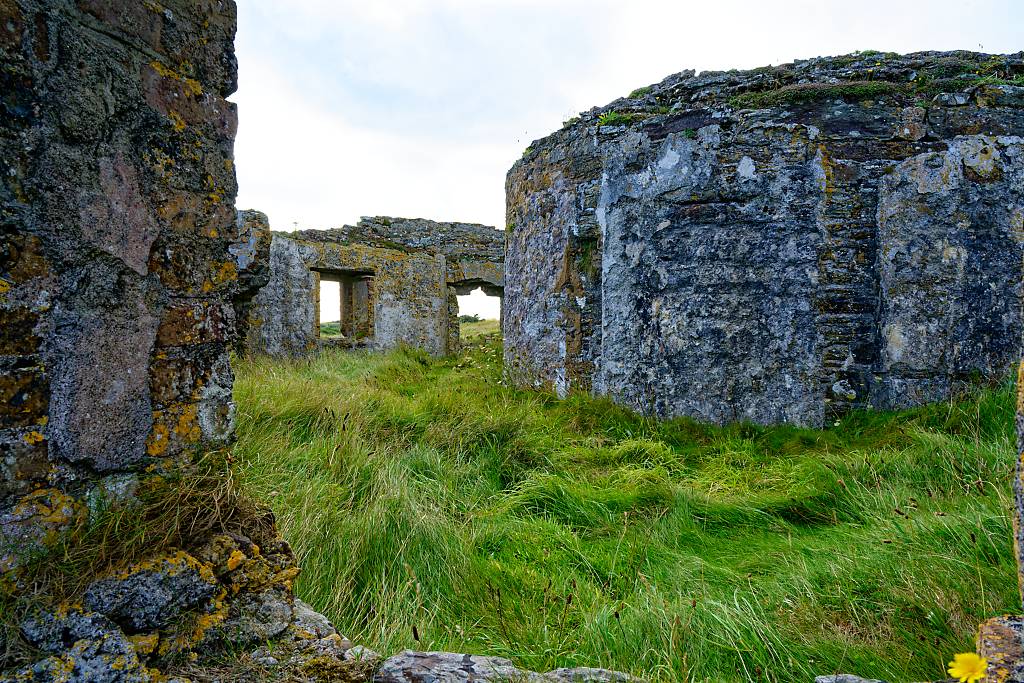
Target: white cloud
point(307, 167)
point(419, 107)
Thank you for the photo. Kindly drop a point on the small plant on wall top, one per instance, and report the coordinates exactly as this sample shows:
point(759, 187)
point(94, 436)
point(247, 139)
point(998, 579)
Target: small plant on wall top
point(618, 118)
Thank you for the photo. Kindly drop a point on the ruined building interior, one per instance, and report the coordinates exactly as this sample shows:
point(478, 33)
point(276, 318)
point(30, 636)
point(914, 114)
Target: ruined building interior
point(701, 213)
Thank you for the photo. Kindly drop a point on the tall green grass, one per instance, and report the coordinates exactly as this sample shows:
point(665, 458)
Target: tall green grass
point(434, 507)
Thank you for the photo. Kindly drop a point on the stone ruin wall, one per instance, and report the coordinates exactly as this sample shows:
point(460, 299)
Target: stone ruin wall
point(251, 250)
point(777, 245)
point(405, 274)
point(122, 266)
point(116, 220)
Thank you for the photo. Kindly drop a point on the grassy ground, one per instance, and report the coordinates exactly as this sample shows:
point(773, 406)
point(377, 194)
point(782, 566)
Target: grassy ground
point(433, 507)
point(472, 330)
point(467, 330)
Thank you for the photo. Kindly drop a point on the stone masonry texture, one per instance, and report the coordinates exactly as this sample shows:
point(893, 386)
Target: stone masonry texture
point(777, 245)
point(251, 252)
point(399, 279)
point(123, 266)
point(115, 221)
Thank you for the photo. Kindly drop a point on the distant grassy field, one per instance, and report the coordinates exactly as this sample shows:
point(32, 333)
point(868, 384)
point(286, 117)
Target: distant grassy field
point(467, 330)
point(331, 329)
point(433, 507)
point(472, 330)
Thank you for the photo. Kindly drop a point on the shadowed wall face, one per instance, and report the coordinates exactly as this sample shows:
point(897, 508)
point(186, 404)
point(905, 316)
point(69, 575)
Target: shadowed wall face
point(777, 245)
point(115, 221)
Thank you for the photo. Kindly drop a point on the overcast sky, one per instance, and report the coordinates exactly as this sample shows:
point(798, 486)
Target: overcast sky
point(417, 108)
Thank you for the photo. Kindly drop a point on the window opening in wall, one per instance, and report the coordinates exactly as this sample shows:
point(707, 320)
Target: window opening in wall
point(330, 308)
point(346, 307)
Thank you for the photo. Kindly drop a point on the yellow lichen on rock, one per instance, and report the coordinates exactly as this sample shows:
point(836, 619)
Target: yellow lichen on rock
point(177, 121)
point(41, 516)
point(190, 85)
point(33, 437)
point(145, 644)
point(157, 442)
point(236, 558)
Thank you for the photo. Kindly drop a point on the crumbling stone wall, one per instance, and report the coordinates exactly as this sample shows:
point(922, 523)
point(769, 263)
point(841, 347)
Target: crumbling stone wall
point(251, 252)
point(122, 265)
point(776, 245)
point(410, 270)
point(116, 221)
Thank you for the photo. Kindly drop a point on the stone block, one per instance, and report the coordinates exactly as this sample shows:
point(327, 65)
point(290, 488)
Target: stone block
point(1000, 642)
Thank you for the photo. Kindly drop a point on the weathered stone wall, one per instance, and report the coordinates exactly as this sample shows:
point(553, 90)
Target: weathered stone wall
point(122, 266)
point(116, 159)
point(414, 269)
point(251, 251)
point(776, 245)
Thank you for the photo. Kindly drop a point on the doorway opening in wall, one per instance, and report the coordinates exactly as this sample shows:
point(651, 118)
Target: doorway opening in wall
point(479, 311)
point(345, 307)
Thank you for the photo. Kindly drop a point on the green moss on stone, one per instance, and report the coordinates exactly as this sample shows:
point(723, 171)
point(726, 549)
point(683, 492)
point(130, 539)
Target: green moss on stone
point(816, 92)
point(618, 118)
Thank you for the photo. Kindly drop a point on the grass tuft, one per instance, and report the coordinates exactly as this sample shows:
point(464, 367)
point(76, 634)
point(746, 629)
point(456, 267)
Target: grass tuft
point(618, 118)
point(815, 92)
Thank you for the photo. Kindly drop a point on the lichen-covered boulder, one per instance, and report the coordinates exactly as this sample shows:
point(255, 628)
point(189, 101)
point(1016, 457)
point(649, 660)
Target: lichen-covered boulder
point(34, 524)
point(410, 666)
point(224, 596)
point(153, 594)
point(308, 623)
point(86, 646)
point(258, 582)
point(54, 630)
point(110, 660)
point(256, 617)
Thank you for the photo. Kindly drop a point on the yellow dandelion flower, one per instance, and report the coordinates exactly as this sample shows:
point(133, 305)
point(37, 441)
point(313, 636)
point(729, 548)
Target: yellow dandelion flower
point(968, 667)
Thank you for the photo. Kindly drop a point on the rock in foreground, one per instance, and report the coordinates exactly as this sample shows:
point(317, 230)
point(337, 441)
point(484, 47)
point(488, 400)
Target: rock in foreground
point(448, 667)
